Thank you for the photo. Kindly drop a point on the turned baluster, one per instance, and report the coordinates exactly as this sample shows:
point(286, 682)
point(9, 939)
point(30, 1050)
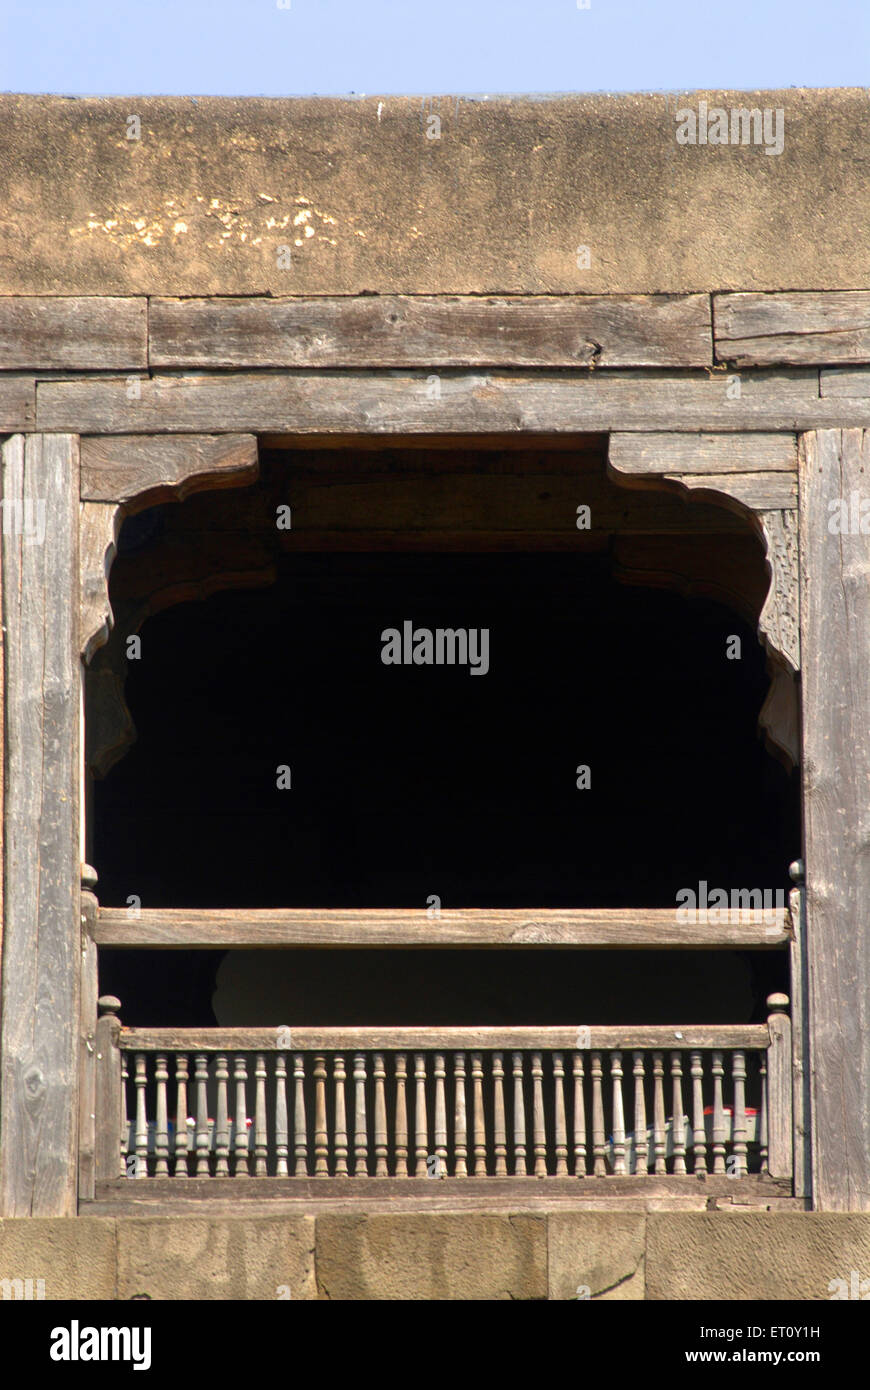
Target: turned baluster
point(300, 1119)
point(762, 1119)
point(321, 1137)
point(401, 1116)
point(360, 1120)
point(699, 1133)
point(598, 1134)
point(499, 1128)
point(560, 1126)
point(738, 1118)
point(460, 1125)
point(380, 1116)
point(421, 1122)
point(540, 1137)
point(261, 1143)
point(718, 1115)
point(340, 1078)
point(618, 1114)
point(440, 1116)
point(222, 1122)
point(579, 1118)
point(241, 1144)
point(660, 1140)
point(141, 1081)
point(641, 1143)
point(282, 1136)
point(161, 1126)
point(479, 1119)
point(203, 1138)
point(181, 1127)
point(521, 1167)
point(679, 1116)
point(125, 1119)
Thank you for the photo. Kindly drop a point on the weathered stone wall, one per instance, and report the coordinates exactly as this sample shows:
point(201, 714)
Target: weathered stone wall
point(442, 1255)
point(202, 201)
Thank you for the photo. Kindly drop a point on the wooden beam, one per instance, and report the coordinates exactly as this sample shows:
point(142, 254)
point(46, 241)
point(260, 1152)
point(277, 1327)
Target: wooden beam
point(349, 1039)
point(835, 640)
point(445, 403)
point(95, 332)
point(845, 383)
point(760, 330)
point(17, 403)
point(661, 330)
point(140, 470)
point(653, 928)
point(42, 945)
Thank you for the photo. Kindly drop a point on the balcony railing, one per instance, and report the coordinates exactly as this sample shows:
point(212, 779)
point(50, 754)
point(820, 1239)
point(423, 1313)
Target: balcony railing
point(477, 1103)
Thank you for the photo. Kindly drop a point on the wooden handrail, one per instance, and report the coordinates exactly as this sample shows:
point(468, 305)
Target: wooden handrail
point(288, 1038)
point(613, 928)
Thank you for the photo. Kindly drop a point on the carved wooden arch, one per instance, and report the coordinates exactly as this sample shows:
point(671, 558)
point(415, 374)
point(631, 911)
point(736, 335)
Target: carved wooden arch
point(755, 475)
point(124, 474)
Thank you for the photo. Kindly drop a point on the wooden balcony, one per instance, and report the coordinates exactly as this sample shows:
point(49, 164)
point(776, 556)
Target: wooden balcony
point(466, 1113)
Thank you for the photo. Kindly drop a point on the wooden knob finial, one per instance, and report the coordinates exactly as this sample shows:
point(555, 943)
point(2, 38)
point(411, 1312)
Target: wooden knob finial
point(108, 1004)
point(777, 1003)
point(796, 871)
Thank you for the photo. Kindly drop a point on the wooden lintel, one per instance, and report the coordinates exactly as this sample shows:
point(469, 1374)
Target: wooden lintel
point(96, 332)
point(797, 328)
point(661, 330)
point(444, 402)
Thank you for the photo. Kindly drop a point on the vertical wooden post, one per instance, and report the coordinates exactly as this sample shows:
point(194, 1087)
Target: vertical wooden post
point(107, 1156)
point(779, 1094)
point(834, 479)
point(39, 1030)
point(88, 1036)
point(803, 1184)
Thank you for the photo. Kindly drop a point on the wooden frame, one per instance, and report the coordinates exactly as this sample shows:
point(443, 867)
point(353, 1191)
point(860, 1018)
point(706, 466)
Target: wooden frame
point(727, 431)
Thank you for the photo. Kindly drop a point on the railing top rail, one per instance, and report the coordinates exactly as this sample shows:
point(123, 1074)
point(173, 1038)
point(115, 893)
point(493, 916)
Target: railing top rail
point(567, 1037)
point(615, 928)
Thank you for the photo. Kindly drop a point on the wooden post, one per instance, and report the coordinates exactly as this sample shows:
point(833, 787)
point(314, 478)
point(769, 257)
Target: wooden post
point(88, 1036)
point(834, 476)
point(800, 1034)
point(39, 1031)
point(779, 1094)
point(107, 1154)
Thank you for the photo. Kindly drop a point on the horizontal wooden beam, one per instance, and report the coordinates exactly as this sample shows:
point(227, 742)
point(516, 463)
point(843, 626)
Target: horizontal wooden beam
point(17, 403)
point(342, 1039)
point(444, 403)
point(617, 928)
point(148, 468)
point(845, 383)
point(95, 332)
point(404, 331)
point(758, 330)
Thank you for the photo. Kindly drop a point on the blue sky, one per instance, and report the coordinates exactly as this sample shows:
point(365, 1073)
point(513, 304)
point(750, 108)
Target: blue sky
point(428, 47)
